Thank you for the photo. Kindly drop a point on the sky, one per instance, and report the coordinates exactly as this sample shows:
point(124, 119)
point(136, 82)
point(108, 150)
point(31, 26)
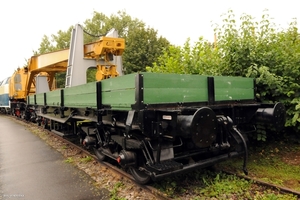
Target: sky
point(25, 22)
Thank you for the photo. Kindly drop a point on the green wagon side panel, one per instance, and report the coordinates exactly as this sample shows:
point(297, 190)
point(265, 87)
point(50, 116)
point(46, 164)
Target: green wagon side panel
point(40, 99)
point(118, 83)
point(233, 88)
point(31, 99)
point(173, 88)
point(120, 99)
point(53, 98)
point(119, 92)
point(81, 96)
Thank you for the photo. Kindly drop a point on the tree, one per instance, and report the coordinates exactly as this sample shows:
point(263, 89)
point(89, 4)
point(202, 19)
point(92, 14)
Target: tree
point(146, 45)
point(200, 58)
point(143, 47)
point(57, 42)
point(62, 38)
point(100, 25)
point(45, 46)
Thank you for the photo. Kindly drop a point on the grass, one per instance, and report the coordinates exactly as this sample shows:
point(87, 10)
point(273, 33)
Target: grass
point(69, 160)
point(203, 183)
point(223, 185)
point(207, 184)
point(86, 159)
point(269, 163)
point(274, 170)
point(114, 192)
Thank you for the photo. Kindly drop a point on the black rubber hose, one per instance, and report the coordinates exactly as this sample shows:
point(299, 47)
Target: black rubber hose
point(245, 152)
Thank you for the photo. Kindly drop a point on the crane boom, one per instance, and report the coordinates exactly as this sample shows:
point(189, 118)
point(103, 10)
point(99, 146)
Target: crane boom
point(49, 61)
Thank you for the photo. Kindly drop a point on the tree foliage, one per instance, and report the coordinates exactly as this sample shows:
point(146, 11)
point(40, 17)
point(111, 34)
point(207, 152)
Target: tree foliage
point(143, 47)
point(100, 25)
point(201, 58)
point(45, 46)
point(142, 44)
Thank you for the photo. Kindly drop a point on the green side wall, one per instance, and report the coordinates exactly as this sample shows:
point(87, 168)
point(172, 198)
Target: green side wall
point(173, 88)
point(120, 92)
point(233, 88)
point(30, 99)
point(39, 99)
point(81, 96)
point(53, 98)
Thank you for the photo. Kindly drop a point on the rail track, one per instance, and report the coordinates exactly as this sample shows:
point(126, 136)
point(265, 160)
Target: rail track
point(151, 190)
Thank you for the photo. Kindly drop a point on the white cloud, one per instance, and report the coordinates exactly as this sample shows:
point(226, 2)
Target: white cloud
point(24, 22)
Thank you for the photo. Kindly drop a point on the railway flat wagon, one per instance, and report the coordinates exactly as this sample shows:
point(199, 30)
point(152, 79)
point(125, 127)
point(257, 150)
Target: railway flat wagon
point(156, 125)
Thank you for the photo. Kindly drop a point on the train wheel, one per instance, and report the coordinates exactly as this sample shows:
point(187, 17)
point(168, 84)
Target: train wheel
point(139, 176)
point(99, 154)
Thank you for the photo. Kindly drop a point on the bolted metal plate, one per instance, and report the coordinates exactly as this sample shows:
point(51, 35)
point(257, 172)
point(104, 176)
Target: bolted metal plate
point(204, 127)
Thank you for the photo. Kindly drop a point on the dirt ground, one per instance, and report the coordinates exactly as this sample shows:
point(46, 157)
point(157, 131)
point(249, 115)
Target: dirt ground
point(291, 158)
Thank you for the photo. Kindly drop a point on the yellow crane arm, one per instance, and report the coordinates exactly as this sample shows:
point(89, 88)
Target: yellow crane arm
point(49, 61)
point(57, 61)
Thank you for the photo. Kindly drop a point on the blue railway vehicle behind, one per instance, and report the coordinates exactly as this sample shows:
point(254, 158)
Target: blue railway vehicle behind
point(4, 100)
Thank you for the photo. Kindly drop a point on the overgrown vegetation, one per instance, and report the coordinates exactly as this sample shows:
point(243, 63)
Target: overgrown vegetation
point(274, 162)
point(207, 184)
point(247, 48)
